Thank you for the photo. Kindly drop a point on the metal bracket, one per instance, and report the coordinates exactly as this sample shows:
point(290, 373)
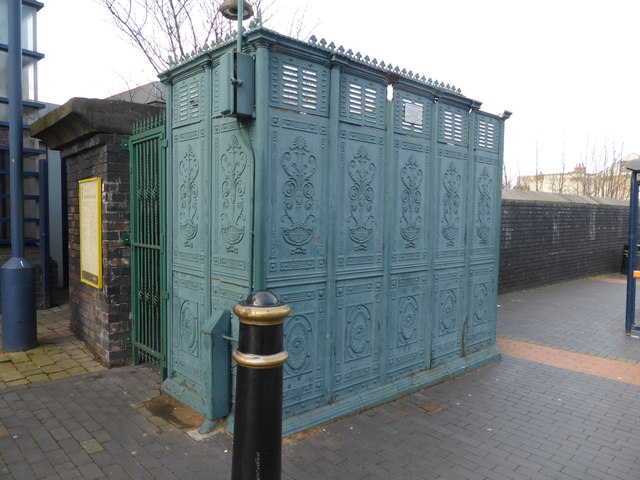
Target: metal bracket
point(126, 238)
point(124, 144)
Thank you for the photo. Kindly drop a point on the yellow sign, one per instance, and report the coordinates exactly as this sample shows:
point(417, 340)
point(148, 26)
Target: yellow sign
point(90, 198)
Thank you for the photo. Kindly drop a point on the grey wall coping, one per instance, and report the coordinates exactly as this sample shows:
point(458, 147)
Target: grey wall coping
point(83, 117)
point(546, 197)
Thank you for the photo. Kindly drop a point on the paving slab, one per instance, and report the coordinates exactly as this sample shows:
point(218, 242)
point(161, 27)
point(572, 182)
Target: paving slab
point(553, 408)
point(586, 315)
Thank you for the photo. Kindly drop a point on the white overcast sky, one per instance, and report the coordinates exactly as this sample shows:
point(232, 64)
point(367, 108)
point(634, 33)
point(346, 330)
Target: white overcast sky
point(567, 69)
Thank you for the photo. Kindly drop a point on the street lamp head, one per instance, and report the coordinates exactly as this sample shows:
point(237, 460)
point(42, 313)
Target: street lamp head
point(633, 165)
point(229, 9)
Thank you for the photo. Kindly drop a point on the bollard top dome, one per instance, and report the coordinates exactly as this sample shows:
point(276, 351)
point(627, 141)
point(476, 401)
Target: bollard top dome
point(261, 308)
point(262, 298)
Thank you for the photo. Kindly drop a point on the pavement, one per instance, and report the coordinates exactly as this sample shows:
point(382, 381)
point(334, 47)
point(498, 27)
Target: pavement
point(59, 353)
point(561, 404)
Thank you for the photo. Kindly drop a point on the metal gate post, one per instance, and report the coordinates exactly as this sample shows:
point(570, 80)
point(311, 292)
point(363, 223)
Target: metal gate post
point(633, 242)
point(257, 430)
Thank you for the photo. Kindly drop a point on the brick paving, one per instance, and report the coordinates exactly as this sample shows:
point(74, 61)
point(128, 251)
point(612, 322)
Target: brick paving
point(578, 362)
point(518, 419)
point(59, 354)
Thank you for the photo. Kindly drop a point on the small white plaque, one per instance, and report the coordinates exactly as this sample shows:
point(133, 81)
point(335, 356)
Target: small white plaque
point(413, 113)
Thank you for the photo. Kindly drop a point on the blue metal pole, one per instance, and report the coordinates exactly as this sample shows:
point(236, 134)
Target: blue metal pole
point(43, 168)
point(17, 276)
point(633, 242)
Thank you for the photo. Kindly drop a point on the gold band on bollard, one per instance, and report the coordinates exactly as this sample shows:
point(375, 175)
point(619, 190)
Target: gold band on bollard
point(261, 316)
point(251, 360)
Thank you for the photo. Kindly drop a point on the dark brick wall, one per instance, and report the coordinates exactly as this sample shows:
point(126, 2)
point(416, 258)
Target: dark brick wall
point(549, 242)
point(101, 317)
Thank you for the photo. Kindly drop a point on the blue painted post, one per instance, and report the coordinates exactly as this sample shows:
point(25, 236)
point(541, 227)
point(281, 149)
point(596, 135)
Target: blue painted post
point(43, 168)
point(17, 276)
point(633, 242)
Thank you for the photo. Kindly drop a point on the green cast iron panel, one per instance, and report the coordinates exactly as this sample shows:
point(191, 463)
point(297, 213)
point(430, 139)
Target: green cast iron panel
point(448, 307)
point(359, 317)
point(299, 85)
point(360, 196)
point(147, 159)
point(375, 220)
point(451, 193)
point(480, 332)
point(231, 211)
point(411, 212)
point(409, 333)
point(298, 232)
point(305, 339)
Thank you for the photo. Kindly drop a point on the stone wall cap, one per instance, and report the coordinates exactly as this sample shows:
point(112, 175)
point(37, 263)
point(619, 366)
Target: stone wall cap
point(82, 117)
point(546, 197)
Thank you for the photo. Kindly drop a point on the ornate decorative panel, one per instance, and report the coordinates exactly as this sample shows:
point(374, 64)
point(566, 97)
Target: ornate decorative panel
point(357, 341)
point(407, 342)
point(305, 333)
point(188, 313)
point(360, 204)
point(481, 327)
point(297, 214)
point(451, 194)
point(486, 209)
point(410, 232)
point(232, 202)
point(448, 308)
point(188, 197)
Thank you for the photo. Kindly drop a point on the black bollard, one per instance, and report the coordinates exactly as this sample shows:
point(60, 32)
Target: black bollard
point(257, 427)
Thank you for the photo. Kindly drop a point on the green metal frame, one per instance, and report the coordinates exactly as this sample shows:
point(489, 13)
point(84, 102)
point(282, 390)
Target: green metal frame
point(147, 167)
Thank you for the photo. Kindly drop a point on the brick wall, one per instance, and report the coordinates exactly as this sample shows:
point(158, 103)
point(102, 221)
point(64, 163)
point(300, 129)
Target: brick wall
point(551, 238)
point(101, 317)
point(88, 133)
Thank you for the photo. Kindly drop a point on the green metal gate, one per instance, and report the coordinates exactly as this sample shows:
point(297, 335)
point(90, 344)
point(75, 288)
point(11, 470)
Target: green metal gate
point(147, 147)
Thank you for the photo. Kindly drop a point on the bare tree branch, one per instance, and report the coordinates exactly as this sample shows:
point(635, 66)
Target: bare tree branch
point(172, 28)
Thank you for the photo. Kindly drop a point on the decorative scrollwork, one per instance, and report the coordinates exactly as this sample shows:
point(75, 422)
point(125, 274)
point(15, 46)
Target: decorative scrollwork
point(358, 334)
point(298, 192)
point(233, 164)
point(297, 335)
point(361, 222)
point(411, 221)
point(447, 309)
point(483, 218)
point(189, 168)
point(408, 321)
point(188, 325)
point(452, 181)
point(480, 303)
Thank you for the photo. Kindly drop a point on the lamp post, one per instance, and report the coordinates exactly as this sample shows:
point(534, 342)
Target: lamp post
point(230, 8)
